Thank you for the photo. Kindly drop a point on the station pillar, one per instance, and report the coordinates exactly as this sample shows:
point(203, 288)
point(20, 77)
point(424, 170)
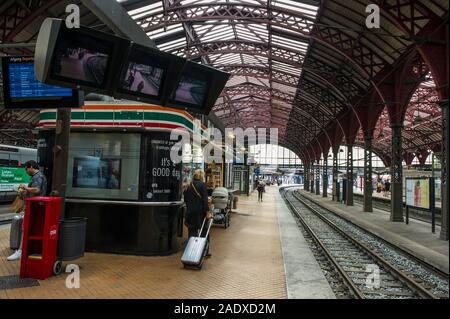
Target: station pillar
point(306, 177)
point(335, 175)
point(311, 179)
point(349, 199)
point(396, 174)
point(445, 170)
point(368, 187)
point(325, 176)
point(317, 175)
point(61, 155)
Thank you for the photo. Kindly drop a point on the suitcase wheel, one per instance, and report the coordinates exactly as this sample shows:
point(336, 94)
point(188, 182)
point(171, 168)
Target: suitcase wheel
point(57, 267)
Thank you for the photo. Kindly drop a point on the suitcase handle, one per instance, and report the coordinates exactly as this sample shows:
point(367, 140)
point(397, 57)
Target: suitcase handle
point(201, 229)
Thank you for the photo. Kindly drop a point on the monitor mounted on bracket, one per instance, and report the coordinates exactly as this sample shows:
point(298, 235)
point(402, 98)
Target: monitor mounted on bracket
point(81, 58)
point(198, 88)
point(98, 62)
point(148, 74)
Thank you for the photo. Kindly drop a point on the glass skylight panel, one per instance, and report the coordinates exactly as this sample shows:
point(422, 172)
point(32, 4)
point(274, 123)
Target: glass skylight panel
point(219, 34)
point(186, 2)
point(230, 58)
point(161, 33)
point(258, 81)
point(219, 37)
point(296, 6)
point(283, 88)
point(201, 29)
point(261, 31)
point(254, 59)
point(167, 46)
point(286, 68)
point(288, 43)
point(255, 36)
point(219, 30)
point(252, 2)
point(236, 80)
point(152, 8)
point(162, 30)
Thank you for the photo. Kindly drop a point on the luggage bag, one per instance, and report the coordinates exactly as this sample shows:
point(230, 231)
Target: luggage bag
point(194, 253)
point(15, 235)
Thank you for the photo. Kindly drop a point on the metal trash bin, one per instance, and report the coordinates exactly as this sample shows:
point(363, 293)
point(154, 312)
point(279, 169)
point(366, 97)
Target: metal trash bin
point(72, 238)
point(235, 200)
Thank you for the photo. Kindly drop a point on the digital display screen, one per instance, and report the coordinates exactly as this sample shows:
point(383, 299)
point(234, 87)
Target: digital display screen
point(79, 57)
point(144, 72)
point(141, 78)
point(94, 172)
point(24, 86)
point(21, 89)
point(191, 90)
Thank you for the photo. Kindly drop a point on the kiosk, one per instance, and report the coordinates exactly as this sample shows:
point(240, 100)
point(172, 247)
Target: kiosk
point(120, 176)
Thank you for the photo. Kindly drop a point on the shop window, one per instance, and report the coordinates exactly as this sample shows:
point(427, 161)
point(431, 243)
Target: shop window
point(103, 166)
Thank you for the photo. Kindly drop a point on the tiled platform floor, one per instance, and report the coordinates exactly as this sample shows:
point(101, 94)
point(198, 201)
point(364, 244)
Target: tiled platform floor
point(247, 262)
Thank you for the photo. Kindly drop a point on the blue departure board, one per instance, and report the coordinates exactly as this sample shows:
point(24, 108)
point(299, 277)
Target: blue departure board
point(23, 84)
point(21, 89)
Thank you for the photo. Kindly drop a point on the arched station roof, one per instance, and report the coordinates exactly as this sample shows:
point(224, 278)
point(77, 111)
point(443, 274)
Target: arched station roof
point(305, 67)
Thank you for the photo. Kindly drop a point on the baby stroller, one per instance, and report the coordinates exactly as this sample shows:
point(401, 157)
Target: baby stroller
point(221, 202)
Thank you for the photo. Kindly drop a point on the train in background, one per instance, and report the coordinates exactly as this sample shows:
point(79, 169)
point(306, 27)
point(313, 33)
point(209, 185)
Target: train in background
point(14, 156)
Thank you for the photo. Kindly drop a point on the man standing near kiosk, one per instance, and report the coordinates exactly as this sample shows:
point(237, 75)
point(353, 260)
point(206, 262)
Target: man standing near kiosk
point(36, 187)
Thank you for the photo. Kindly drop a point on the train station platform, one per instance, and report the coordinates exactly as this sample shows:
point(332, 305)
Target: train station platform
point(261, 255)
point(416, 238)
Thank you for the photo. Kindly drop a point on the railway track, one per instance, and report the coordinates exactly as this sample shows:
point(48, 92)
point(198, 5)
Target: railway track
point(369, 267)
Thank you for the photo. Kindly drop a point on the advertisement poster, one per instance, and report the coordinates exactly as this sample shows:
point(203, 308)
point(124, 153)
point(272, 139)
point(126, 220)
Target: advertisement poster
point(418, 193)
point(12, 177)
point(164, 176)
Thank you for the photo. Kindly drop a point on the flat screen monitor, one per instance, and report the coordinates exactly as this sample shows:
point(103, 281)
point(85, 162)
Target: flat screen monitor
point(198, 88)
point(192, 87)
point(191, 90)
point(144, 72)
point(148, 74)
point(23, 91)
point(82, 58)
point(95, 172)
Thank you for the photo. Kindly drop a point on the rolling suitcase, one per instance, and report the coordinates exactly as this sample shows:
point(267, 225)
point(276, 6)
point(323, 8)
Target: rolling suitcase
point(15, 235)
point(196, 248)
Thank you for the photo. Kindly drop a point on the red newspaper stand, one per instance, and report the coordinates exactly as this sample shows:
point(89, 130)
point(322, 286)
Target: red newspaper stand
point(40, 237)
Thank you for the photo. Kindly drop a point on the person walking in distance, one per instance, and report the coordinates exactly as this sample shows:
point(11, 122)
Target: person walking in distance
point(196, 199)
point(36, 187)
point(260, 188)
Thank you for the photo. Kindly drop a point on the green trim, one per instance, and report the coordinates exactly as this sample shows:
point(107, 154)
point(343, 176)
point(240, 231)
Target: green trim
point(128, 115)
point(168, 117)
point(124, 115)
point(77, 116)
point(46, 116)
point(98, 116)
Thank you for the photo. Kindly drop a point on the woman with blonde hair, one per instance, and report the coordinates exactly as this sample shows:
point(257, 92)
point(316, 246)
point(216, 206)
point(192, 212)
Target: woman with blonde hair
point(196, 199)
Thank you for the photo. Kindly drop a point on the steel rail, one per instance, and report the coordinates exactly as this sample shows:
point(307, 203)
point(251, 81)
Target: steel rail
point(347, 280)
point(397, 273)
point(425, 264)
